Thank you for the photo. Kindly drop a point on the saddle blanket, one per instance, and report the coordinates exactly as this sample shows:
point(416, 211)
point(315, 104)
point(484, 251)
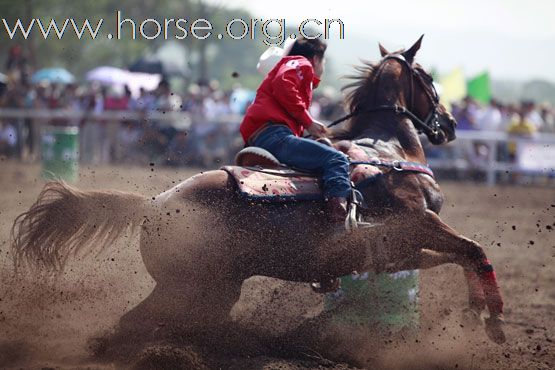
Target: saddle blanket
point(275, 185)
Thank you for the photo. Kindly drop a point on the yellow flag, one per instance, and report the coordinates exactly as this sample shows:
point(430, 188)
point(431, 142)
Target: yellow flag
point(453, 87)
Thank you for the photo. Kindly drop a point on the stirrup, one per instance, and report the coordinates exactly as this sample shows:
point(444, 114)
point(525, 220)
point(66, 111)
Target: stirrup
point(353, 222)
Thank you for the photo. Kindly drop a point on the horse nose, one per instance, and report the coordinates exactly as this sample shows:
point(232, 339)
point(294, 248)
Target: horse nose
point(452, 134)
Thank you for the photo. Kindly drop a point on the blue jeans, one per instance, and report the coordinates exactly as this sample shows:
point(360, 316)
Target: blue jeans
point(308, 155)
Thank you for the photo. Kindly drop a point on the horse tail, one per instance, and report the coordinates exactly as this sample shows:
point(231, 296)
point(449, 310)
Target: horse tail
point(64, 221)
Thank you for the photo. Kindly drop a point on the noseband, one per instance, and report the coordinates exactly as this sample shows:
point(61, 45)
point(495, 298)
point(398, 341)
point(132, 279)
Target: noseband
point(430, 125)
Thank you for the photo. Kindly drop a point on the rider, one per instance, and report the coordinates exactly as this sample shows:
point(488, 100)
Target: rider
point(279, 114)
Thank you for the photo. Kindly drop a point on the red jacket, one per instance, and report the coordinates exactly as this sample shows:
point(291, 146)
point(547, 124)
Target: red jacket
point(283, 97)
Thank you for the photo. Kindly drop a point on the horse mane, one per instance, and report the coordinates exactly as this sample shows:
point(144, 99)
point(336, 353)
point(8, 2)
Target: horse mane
point(360, 91)
point(362, 86)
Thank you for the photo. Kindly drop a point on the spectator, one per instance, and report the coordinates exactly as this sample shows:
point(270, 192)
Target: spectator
point(531, 114)
point(167, 100)
point(216, 105)
point(213, 150)
point(129, 137)
point(117, 99)
point(466, 114)
point(16, 66)
point(548, 118)
point(145, 102)
point(330, 108)
point(8, 139)
point(509, 113)
point(193, 101)
point(181, 150)
point(153, 143)
point(490, 118)
point(520, 126)
point(92, 133)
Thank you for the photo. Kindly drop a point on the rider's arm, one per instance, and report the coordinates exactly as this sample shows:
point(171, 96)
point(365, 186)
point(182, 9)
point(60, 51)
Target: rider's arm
point(288, 86)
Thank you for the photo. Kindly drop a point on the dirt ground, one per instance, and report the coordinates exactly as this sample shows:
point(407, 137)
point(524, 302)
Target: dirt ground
point(46, 325)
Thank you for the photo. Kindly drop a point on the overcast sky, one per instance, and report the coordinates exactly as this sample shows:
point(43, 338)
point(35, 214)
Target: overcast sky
point(513, 39)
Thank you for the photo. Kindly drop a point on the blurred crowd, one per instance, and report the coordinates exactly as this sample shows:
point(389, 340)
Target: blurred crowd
point(526, 119)
point(131, 140)
point(207, 134)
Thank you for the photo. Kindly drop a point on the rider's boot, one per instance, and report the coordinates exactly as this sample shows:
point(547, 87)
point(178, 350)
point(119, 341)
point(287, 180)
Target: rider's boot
point(337, 210)
point(341, 215)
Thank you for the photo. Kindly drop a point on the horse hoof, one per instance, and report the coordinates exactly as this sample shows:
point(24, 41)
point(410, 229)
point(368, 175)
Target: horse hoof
point(494, 329)
point(471, 318)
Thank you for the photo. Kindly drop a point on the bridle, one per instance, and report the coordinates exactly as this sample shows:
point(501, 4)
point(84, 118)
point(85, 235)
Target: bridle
point(430, 125)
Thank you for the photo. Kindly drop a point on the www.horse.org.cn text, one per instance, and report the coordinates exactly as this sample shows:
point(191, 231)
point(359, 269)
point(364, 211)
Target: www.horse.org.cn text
point(269, 31)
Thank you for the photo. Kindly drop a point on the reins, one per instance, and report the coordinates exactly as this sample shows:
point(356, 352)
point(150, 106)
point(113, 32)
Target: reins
point(398, 109)
point(430, 126)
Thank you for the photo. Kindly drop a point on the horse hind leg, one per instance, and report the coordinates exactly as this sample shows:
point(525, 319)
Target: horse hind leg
point(205, 317)
point(133, 331)
point(194, 304)
point(192, 310)
point(481, 278)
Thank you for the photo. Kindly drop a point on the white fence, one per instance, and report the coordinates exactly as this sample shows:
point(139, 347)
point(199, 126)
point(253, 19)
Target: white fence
point(534, 155)
point(181, 120)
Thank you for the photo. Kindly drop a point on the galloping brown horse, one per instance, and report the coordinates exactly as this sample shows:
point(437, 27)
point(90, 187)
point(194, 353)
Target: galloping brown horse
point(200, 240)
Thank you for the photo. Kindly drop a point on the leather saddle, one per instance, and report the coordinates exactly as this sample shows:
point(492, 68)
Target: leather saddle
point(252, 156)
point(261, 177)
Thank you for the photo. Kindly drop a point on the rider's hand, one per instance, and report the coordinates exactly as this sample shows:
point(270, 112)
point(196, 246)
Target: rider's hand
point(317, 129)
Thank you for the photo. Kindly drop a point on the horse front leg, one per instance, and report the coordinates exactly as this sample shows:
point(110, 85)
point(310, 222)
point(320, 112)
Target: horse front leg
point(476, 299)
point(426, 258)
point(481, 278)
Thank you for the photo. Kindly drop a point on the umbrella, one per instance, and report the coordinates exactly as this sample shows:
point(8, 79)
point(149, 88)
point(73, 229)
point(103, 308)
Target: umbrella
point(113, 76)
point(240, 100)
point(108, 75)
point(154, 64)
point(54, 75)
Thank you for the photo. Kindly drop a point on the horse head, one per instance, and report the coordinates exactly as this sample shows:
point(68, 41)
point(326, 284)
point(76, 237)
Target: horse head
point(397, 84)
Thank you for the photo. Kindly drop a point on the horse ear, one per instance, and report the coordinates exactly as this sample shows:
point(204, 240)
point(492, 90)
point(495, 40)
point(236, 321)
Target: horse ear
point(410, 53)
point(383, 51)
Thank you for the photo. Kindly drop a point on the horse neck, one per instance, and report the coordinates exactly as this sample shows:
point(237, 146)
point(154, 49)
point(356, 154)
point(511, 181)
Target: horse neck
point(390, 126)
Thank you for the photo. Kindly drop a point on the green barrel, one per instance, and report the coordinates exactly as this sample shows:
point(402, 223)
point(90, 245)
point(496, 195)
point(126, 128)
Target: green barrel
point(60, 153)
point(386, 301)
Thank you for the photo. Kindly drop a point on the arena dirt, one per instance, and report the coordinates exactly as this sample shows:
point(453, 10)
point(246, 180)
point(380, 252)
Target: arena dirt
point(48, 324)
